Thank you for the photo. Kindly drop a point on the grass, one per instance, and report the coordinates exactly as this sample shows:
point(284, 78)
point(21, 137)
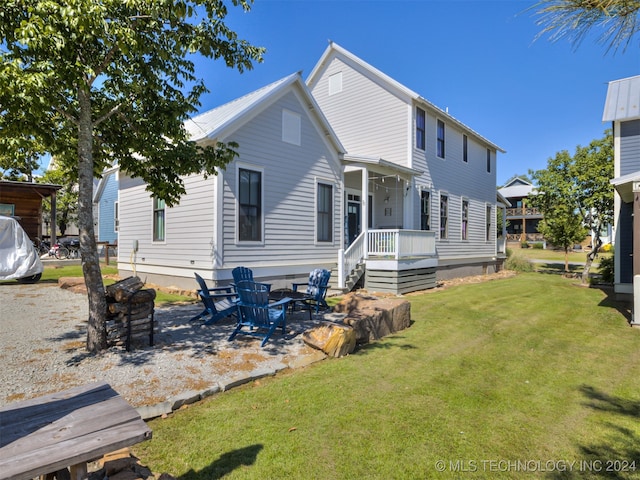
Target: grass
point(51, 274)
point(529, 369)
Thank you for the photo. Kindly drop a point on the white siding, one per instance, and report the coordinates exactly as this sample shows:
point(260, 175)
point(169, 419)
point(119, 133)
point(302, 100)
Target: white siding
point(367, 118)
point(189, 226)
point(289, 184)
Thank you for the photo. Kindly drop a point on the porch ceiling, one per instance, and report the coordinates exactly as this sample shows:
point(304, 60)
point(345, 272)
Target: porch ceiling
point(624, 185)
point(379, 165)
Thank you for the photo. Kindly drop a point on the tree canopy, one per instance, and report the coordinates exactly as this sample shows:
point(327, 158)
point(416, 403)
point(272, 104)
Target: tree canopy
point(575, 196)
point(96, 81)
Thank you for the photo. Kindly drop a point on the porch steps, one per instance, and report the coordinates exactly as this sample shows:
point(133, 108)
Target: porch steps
point(351, 281)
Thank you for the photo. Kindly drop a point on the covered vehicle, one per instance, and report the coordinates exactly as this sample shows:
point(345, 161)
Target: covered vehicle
point(19, 259)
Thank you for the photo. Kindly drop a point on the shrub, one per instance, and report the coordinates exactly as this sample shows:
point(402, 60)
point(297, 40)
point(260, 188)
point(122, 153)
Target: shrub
point(524, 244)
point(606, 270)
point(518, 264)
point(538, 245)
point(509, 252)
point(607, 248)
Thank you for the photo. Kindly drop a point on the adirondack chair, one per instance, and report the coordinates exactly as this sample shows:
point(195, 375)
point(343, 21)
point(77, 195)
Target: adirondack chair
point(243, 274)
point(316, 289)
point(256, 313)
point(218, 302)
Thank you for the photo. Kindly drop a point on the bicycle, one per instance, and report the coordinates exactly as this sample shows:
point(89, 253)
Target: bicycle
point(73, 248)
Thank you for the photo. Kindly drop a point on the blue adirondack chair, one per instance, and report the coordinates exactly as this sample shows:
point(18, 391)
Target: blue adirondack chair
point(243, 274)
point(218, 302)
point(256, 313)
point(316, 289)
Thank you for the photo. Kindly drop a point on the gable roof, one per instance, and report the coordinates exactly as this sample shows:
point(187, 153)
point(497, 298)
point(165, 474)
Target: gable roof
point(336, 50)
point(623, 100)
point(222, 120)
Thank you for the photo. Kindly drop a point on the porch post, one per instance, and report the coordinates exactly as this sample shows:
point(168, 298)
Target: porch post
point(636, 252)
point(364, 201)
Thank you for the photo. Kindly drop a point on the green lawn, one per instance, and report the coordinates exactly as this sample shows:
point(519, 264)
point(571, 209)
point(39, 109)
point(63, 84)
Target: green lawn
point(532, 372)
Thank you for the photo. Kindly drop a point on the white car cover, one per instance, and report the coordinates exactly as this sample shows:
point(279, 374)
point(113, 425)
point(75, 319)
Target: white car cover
point(18, 256)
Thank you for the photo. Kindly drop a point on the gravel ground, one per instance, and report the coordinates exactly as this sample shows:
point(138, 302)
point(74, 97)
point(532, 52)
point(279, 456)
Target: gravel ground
point(43, 334)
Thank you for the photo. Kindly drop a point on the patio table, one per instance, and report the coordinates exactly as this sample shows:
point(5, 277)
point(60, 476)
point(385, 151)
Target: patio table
point(296, 297)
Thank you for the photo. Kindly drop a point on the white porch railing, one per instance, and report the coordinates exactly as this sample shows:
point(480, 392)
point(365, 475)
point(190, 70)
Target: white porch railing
point(401, 243)
point(348, 259)
point(393, 244)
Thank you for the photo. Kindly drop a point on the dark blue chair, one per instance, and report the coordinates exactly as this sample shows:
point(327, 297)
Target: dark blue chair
point(218, 302)
point(255, 313)
point(316, 289)
point(243, 274)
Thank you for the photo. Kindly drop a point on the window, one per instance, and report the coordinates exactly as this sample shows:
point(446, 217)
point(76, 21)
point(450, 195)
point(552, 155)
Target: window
point(488, 222)
point(420, 129)
point(159, 226)
point(116, 216)
point(488, 161)
point(290, 127)
point(425, 217)
point(444, 216)
point(335, 83)
point(324, 213)
point(465, 149)
point(440, 134)
point(465, 219)
point(249, 205)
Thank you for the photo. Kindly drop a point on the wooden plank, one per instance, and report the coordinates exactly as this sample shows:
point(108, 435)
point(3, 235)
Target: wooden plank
point(48, 433)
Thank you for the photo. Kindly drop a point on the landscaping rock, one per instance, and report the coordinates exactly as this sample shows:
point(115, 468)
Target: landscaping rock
point(374, 317)
point(334, 339)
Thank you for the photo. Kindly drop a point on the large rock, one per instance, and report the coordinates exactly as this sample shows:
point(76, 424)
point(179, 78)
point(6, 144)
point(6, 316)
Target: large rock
point(334, 339)
point(374, 317)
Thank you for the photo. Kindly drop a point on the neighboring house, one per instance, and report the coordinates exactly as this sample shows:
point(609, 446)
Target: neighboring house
point(276, 208)
point(105, 207)
point(522, 219)
point(420, 186)
point(622, 108)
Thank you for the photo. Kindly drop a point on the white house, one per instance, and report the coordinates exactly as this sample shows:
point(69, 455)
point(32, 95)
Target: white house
point(277, 208)
point(410, 167)
point(350, 171)
point(622, 108)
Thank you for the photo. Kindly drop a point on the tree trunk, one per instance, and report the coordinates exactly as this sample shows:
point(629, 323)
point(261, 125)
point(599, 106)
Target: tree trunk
point(591, 256)
point(566, 259)
point(96, 329)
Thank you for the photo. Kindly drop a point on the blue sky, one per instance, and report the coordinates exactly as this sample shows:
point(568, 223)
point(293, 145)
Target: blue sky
point(478, 58)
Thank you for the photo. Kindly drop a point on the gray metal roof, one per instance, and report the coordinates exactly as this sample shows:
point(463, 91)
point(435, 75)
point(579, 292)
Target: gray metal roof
point(516, 191)
point(623, 100)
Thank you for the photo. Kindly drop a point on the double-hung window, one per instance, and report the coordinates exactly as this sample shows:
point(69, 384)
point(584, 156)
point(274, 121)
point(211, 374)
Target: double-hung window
point(444, 216)
point(488, 222)
point(421, 129)
point(465, 219)
point(324, 213)
point(425, 206)
point(159, 225)
point(249, 205)
point(440, 136)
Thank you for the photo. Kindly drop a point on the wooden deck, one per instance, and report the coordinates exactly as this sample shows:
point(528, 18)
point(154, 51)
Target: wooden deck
point(66, 429)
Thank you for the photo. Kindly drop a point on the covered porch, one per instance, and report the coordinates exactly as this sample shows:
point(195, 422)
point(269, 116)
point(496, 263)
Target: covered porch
point(381, 212)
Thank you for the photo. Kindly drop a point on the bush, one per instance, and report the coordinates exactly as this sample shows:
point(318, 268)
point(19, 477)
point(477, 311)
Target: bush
point(606, 270)
point(509, 252)
point(524, 244)
point(538, 245)
point(607, 248)
point(518, 264)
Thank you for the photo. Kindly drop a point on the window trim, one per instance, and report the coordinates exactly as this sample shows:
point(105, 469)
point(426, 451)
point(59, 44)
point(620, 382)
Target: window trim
point(420, 113)
point(332, 186)
point(422, 211)
point(154, 210)
point(446, 217)
point(489, 214)
point(254, 169)
point(440, 140)
point(464, 219)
